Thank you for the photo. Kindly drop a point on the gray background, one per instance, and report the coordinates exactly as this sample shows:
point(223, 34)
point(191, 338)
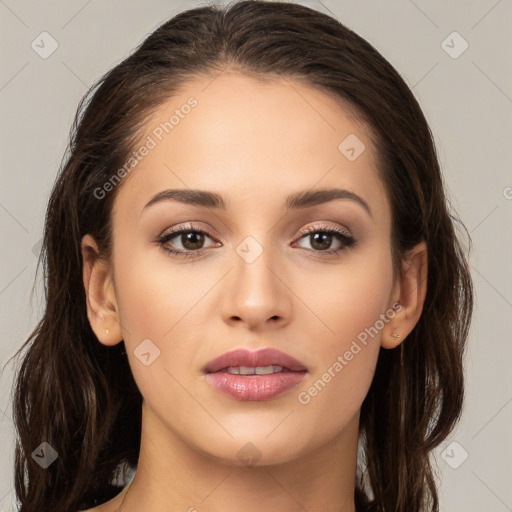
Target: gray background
point(467, 101)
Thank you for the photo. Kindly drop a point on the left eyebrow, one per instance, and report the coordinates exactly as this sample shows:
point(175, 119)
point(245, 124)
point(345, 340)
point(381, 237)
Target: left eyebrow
point(295, 201)
point(309, 198)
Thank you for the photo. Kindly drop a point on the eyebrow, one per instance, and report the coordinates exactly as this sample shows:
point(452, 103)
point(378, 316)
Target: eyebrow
point(295, 201)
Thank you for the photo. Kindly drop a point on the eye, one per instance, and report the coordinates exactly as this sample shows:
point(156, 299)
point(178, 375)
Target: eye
point(191, 238)
point(322, 237)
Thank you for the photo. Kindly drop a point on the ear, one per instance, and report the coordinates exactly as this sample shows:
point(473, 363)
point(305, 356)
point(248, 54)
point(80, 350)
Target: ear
point(409, 292)
point(100, 294)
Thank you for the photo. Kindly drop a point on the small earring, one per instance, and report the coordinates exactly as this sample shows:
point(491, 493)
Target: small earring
point(396, 335)
point(107, 331)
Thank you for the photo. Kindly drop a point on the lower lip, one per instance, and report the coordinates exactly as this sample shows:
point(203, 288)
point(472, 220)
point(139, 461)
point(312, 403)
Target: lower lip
point(254, 387)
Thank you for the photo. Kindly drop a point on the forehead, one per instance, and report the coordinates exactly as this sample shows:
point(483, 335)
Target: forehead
point(252, 140)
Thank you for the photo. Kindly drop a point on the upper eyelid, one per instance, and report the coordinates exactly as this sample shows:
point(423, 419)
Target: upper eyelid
point(189, 227)
point(174, 232)
point(325, 227)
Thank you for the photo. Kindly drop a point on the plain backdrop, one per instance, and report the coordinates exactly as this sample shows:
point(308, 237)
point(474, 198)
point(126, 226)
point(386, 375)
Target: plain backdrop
point(463, 81)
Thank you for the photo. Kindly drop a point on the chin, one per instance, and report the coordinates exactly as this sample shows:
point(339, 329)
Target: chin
point(254, 451)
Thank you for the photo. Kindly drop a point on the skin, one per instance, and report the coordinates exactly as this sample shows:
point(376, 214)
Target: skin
point(254, 152)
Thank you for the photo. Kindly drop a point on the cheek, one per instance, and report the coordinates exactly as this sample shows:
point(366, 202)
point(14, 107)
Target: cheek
point(333, 397)
point(350, 300)
point(354, 307)
point(153, 295)
point(162, 304)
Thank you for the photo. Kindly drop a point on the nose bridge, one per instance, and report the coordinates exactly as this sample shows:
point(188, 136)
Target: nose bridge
point(256, 293)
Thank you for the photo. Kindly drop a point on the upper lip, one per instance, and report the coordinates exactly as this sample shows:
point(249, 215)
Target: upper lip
point(253, 358)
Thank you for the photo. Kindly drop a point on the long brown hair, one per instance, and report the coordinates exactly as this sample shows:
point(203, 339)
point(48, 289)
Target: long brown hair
point(80, 396)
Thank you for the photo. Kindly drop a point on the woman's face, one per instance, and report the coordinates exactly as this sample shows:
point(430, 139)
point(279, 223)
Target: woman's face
point(255, 280)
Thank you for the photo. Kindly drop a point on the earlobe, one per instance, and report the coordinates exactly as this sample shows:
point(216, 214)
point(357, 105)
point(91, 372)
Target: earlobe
point(100, 297)
point(410, 294)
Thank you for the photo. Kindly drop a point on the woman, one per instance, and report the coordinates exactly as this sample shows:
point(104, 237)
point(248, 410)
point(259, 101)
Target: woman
point(255, 296)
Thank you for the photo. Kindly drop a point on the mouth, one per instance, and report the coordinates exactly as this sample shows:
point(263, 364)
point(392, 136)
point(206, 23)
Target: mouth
point(254, 375)
point(251, 370)
point(254, 362)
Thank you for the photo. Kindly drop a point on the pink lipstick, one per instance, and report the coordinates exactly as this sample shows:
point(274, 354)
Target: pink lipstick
point(254, 375)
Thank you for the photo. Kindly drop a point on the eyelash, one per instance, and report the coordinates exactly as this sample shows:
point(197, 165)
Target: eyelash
point(346, 239)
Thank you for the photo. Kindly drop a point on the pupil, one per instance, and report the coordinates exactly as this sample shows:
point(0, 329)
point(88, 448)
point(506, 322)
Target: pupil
point(326, 241)
point(193, 240)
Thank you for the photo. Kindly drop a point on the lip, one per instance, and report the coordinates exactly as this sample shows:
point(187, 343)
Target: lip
point(254, 387)
point(245, 357)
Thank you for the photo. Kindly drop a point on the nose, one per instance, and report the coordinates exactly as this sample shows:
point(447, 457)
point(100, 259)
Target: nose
point(257, 293)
